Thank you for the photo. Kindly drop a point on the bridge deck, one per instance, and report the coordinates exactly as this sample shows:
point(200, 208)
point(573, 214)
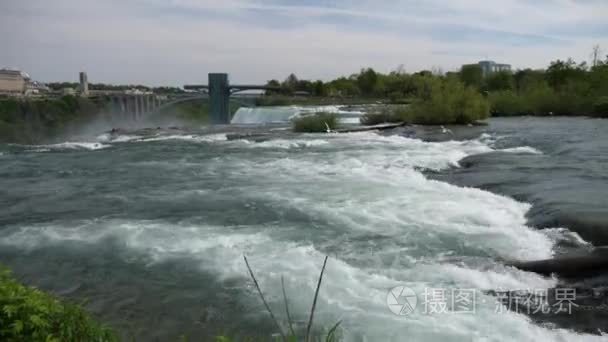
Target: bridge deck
point(237, 87)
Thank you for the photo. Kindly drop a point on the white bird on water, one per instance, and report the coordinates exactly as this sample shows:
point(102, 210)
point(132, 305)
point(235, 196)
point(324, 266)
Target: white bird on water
point(445, 130)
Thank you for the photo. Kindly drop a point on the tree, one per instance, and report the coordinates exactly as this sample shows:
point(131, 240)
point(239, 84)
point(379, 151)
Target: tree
point(273, 84)
point(560, 72)
point(344, 87)
point(366, 81)
point(502, 80)
point(290, 84)
point(319, 88)
point(304, 85)
point(471, 75)
point(527, 78)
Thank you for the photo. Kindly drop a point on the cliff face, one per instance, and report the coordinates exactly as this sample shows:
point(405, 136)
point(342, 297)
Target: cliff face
point(35, 120)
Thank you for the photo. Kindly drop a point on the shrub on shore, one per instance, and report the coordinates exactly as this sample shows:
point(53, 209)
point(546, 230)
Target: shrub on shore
point(28, 314)
point(506, 103)
point(315, 123)
point(447, 101)
point(600, 107)
point(540, 101)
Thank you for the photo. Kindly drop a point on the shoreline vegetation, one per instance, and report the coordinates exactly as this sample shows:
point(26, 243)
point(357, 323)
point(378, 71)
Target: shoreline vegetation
point(28, 314)
point(32, 121)
point(564, 88)
point(36, 120)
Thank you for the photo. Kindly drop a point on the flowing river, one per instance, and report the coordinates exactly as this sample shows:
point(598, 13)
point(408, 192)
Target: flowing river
point(151, 227)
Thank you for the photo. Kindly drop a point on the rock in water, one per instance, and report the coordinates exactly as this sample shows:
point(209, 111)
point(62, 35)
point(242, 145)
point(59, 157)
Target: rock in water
point(578, 266)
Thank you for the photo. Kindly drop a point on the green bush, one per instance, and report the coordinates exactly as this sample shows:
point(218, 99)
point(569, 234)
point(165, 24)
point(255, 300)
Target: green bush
point(9, 111)
point(600, 107)
point(506, 103)
point(318, 122)
point(28, 314)
point(541, 100)
point(449, 101)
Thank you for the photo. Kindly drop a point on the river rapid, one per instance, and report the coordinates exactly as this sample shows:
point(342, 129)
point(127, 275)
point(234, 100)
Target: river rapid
point(151, 226)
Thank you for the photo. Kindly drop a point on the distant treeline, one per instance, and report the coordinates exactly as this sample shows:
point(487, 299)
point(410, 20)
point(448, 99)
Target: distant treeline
point(564, 88)
point(57, 86)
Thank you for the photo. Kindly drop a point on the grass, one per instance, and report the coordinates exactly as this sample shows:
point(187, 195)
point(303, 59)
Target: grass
point(600, 107)
point(28, 314)
point(315, 123)
point(291, 336)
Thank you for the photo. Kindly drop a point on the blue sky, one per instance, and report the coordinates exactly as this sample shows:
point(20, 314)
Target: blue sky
point(179, 41)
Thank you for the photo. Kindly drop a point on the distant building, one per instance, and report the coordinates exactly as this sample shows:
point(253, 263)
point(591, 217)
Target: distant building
point(34, 88)
point(68, 91)
point(490, 67)
point(135, 91)
point(84, 84)
point(13, 82)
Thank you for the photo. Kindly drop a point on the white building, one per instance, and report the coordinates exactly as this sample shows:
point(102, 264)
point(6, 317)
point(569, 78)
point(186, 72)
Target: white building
point(13, 82)
point(490, 67)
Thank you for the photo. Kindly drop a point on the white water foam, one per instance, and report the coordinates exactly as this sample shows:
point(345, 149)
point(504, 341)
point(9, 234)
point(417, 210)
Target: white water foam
point(354, 294)
point(187, 137)
point(564, 235)
point(91, 146)
point(396, 150)
point(108, 138)
point(286, 143)
point(521, 150)
point(384, 224)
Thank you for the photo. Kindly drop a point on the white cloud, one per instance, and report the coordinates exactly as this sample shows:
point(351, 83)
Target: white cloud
point(179, 41)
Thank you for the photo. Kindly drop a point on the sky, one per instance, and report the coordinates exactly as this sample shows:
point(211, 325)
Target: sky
point(177, 42)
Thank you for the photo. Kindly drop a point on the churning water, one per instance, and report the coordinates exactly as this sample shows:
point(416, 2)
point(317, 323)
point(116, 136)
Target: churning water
point(151, 229)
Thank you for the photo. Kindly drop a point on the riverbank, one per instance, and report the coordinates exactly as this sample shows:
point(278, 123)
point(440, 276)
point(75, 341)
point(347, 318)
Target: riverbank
point(28, 314)
point(37, 120)
point(47, 120)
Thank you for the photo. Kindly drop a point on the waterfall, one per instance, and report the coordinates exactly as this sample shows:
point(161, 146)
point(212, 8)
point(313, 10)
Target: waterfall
point(283, 114)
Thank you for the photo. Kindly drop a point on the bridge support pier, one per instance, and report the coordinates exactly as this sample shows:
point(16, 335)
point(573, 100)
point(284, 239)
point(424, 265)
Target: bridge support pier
point(219, 99)
point(219, 96)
